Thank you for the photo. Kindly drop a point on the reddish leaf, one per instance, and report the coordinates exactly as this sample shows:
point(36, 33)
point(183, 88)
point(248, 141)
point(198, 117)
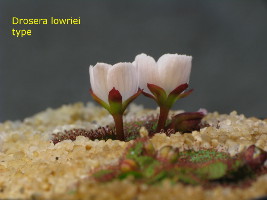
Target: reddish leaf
point(158, 92)
point(179, 89)
point(188, 121)
point(189, 116)
point(188, 125)
point(254, 156)
point(148, 95)
point(178, 93)
point(185, 94)
point(98, 100)
point(130, 99)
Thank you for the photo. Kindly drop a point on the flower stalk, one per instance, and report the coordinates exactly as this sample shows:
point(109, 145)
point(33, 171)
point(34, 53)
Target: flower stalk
point(118, 119)
point(163, 115)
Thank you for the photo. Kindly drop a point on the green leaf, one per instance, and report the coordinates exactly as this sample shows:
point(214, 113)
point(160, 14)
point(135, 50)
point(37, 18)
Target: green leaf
point(144, 161)
point(204, 156)
point(134, 174)
point(187, 178)
point(100, 174)
point(131, 137)
point(159, 177)
point(147, 164)
point(237, 164)
point(150, 168)
point(212, 171)
point(135, 150)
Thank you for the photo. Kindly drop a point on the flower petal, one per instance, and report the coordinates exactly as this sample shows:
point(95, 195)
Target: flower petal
point(130, 99)
point(98, 79)
point(147, 71)
point(91, 74)
point(124, 78)
point(174, 70)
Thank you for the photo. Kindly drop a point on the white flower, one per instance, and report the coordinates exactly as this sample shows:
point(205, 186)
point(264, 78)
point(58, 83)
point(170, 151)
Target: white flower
point(169, 72)
point(122, 76)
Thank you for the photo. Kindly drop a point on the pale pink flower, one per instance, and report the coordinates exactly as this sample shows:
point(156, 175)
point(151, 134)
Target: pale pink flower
point(121, 76)
point(170, 71)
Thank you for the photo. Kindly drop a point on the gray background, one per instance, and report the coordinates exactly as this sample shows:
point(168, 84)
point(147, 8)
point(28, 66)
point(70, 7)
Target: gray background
point(226, 38)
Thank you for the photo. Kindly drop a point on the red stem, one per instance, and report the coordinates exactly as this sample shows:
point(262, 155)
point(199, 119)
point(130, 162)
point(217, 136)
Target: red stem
point(119, 126)
point(163, 115)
